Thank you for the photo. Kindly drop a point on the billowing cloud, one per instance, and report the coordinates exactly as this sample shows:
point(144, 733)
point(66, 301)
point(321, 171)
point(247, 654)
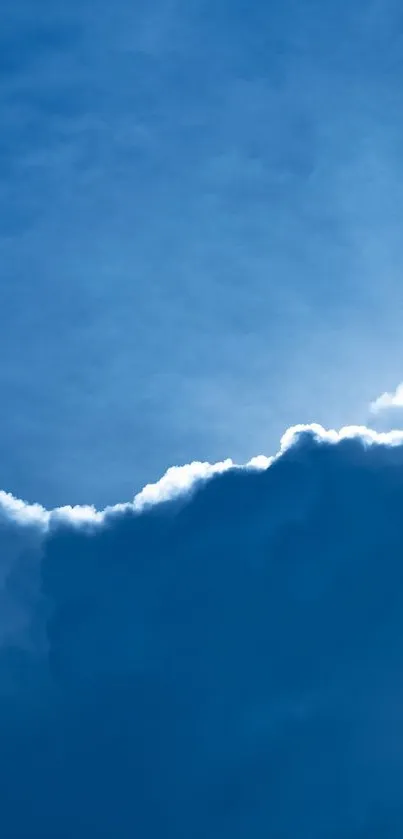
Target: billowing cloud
point(220, 657)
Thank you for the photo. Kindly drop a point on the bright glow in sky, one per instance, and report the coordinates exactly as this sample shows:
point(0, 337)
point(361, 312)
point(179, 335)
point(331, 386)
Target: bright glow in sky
point(200, 232)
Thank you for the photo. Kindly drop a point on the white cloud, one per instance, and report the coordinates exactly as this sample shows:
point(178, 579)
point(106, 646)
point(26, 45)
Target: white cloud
point(22, 512)
point(386, 412)
point(388, 400)
point(179, 480)
point(369, 436)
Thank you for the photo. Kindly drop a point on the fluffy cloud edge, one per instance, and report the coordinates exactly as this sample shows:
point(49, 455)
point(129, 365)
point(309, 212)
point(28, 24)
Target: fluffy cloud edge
point(180, 480)
point(387, 400)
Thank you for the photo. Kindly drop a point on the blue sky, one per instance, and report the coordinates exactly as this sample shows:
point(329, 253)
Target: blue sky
point(200, 232)
point(200, 246)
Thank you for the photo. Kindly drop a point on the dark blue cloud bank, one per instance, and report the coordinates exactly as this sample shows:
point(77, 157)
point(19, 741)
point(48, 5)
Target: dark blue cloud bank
point(226, 662)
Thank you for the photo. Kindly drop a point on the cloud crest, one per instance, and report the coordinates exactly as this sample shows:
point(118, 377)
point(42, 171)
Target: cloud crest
point(219, 657)
point(179, 480)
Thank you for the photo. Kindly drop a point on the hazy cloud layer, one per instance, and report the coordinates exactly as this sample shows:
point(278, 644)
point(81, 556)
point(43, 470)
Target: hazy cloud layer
point(221, 176)
point(225, 662)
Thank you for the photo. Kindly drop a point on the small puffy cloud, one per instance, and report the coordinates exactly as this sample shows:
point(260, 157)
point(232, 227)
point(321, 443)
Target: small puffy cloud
point(226, 666)
point(387, 410)
point(388, 400)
